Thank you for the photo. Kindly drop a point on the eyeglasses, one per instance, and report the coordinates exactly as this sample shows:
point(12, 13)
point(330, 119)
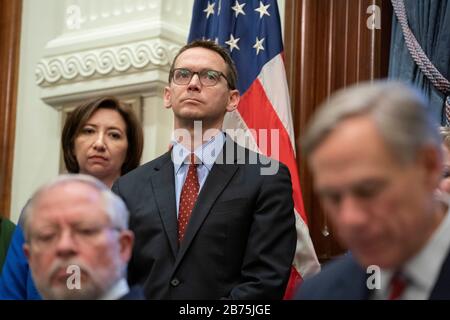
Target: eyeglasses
point(79, 234)
point(208, 78)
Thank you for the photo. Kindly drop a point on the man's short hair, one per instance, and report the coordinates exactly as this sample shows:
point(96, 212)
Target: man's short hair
point(399, 112)
point(231, 72)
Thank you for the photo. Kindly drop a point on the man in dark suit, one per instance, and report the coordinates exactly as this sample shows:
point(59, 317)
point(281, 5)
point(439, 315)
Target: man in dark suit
point(212, 220)
point(376, 160)
point(77, 241)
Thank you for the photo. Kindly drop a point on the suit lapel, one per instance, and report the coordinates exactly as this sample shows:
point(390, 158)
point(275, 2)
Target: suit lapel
point(219, 177)
point(163, 183)
point(441, 288)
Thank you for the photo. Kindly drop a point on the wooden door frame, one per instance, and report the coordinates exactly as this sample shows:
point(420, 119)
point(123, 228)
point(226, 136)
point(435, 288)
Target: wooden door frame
point(327, 46)
point(10, 31)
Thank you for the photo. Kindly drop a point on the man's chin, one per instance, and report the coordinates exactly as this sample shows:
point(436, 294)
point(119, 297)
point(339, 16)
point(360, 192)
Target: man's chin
point(62, 288)
point(86, 292)
point(191, 115)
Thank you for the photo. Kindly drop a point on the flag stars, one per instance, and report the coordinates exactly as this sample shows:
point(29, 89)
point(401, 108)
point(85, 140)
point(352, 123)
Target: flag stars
point(209, 9)
point(263, 10)
point(238, 8)
point(233, 42)
point(259, 45)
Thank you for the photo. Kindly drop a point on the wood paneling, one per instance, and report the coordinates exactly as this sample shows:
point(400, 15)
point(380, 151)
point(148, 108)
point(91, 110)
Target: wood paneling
point(10, 23)
point(328, 45)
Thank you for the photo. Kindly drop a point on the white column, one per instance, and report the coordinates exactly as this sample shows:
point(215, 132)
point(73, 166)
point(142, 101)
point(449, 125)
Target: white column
point(158, 126)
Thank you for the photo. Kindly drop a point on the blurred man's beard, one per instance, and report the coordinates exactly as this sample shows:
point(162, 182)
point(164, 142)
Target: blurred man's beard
point(88, 291)
point(92, 285)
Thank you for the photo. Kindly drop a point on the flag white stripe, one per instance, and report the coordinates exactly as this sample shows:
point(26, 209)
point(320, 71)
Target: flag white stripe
point(239, 131)
point(273, 80)
point(305, 259)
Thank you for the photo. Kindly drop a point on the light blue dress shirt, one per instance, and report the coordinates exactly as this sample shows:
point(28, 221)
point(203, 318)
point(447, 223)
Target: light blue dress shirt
point(206, 154)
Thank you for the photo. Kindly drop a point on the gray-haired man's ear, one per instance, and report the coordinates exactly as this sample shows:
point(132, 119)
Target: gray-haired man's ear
point(126, 240)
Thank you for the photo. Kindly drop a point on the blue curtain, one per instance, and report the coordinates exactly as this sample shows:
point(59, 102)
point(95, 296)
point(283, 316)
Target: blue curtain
point(429, 20)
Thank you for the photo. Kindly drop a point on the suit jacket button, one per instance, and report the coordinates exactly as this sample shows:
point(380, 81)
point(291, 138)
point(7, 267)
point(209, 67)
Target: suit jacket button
point(175, 282)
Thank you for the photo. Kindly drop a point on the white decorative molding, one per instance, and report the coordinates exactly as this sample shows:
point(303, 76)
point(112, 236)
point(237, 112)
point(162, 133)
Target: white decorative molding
point(114, 47)
point(88, 14)
point(111, 61)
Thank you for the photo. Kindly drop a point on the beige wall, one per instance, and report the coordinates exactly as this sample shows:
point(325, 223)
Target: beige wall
point(36, 154)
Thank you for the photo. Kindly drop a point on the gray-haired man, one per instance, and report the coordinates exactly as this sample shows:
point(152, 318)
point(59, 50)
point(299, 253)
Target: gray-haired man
point(77, 240)
point(376, 160)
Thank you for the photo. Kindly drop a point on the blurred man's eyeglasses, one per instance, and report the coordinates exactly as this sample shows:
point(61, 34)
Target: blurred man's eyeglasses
point(44, 240)
point(208, 78)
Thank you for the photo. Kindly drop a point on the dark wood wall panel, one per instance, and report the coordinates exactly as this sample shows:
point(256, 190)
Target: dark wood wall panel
point(329, 46)
point(10, 25)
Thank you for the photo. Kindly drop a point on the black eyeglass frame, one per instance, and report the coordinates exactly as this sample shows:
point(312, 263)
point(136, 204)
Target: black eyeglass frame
point(199, 74)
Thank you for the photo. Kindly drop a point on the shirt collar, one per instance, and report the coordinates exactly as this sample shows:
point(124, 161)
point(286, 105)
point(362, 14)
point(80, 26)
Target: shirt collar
point(423, 269)
point(117, 291)
point(206, 154)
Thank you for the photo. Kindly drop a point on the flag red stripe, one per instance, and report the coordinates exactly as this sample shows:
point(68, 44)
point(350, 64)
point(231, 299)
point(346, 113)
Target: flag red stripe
point(257, 111)
point(294, 280)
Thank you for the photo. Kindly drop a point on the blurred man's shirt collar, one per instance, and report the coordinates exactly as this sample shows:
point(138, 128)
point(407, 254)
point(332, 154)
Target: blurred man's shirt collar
point(206, 154)
point(423, 269)
point(120, 289)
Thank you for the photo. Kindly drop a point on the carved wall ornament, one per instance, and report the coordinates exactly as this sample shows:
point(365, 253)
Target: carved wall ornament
point(101, 62)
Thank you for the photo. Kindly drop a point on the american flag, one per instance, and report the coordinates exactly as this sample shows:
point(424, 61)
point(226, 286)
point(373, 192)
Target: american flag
point(251, 30)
